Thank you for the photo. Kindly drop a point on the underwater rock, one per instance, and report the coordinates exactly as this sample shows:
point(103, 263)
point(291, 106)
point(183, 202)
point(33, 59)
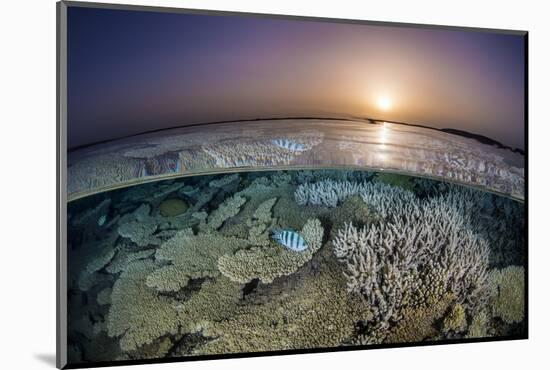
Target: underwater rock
point(507, 300)
point(139, 315)
point(190, 257)
point(271, 261)
point(172, 207)
point(101, 261)
point(104, 297)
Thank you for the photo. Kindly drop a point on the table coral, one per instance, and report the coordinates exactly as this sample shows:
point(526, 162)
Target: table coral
point(269, 262)
point(139, 315)
point(259, 222)
point(139, 227)
point(318, 313)
point(229, 208)
point(190, 256)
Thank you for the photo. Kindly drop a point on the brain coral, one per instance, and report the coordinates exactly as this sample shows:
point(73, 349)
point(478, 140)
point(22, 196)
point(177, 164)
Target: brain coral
point(172, 207)
point(191, 257)
point(138, 314)
point(508, 297)
point(269, 262)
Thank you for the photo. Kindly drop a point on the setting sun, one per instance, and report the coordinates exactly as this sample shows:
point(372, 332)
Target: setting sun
point(384, 103)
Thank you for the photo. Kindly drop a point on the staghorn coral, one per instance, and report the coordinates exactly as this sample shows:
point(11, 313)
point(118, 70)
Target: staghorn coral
point(318, 313)
point(269, 262)
point(328, 193)
point(229, 208)
point(139, 315)
point(190, 257)
point(508, 298)
point(421, 252)
point(242, 152)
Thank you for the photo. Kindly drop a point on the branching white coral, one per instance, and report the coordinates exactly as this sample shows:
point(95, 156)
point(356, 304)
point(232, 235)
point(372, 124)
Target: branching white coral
point(423, 250)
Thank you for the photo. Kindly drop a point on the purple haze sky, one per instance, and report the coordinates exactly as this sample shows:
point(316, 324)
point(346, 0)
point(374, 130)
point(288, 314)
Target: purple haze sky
point(135, 71)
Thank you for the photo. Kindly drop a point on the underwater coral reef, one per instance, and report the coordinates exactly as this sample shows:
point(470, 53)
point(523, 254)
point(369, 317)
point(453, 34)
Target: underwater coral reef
point(286, 260)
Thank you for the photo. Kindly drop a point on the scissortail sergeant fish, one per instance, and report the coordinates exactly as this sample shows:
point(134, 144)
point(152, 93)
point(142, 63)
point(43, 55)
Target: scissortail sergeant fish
point(289, 239)
point(289, 145)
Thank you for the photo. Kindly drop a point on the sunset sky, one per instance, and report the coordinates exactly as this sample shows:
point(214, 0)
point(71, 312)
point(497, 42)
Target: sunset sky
point(134, 71)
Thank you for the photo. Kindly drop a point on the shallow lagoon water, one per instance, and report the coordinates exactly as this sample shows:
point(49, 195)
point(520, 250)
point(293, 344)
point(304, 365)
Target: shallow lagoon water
point(187, 267)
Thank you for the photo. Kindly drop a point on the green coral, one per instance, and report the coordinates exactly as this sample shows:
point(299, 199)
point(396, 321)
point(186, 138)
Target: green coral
point(508, 297)
point(269, 262)
point(139, 315)
point(191, 257)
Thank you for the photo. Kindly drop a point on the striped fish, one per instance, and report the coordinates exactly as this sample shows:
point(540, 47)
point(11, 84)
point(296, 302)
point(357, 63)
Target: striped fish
point(289, 145)
point(289, 239)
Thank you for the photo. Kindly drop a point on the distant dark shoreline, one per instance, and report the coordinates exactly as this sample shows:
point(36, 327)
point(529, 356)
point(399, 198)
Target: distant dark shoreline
point(480, 138)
